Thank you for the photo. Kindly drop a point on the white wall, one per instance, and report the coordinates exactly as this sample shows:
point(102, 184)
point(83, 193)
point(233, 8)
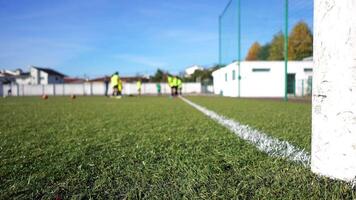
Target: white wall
point(23, 80)
point(89, 89)
point(334, 98)
point(260, 84)
point(35, 76)
point(43, 77)
point(1, 90)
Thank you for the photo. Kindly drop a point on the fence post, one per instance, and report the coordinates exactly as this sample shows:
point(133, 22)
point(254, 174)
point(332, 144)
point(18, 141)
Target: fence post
point(1, 90)
point(84, 94)
point(18, 90)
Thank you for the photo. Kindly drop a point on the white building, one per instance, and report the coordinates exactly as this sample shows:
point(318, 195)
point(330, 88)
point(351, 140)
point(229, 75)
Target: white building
point(36, 76)
point(264, 79)
point(190, 70)
point(45, 76)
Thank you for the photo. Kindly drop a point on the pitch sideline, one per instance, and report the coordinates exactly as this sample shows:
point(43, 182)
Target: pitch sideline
point(272, 146)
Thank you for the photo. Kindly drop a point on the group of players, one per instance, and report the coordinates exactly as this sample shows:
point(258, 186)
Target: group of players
point(176, 85)
point(174, 82)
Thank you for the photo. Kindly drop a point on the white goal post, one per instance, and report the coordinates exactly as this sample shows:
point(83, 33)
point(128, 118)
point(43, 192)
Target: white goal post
point(334, 92)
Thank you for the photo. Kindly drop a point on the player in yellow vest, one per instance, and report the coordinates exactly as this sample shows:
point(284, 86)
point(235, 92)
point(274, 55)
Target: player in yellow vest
point(115, 79)
point(170, 84)
point(139, 86)
point(175, 86)
point(120, 87)
point(180, 86)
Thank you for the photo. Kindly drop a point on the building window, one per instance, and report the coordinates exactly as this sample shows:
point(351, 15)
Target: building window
point(261, 69)
point(233, 75)
point(225, 77)
point(308, 70)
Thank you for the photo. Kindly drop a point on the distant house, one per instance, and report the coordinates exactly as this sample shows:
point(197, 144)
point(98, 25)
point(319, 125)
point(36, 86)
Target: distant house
point(6, 77)
point(36, 76)
point(44, 76)
point(190, 70)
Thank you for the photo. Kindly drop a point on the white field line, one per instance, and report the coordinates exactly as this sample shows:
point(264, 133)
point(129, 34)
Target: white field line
point(267, 144)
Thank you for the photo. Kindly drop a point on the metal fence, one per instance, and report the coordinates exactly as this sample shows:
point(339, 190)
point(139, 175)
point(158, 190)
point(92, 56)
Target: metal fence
point(92, 89)
point(258, 30)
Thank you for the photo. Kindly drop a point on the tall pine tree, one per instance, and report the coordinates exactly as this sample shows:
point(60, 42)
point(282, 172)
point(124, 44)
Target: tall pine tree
point(300, 42)
point(254, 51)
point(264, 52)
point(276, 51)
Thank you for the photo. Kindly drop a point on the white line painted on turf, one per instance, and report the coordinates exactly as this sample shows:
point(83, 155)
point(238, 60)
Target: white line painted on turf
point(267, 144)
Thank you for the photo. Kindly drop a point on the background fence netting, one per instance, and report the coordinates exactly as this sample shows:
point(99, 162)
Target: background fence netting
point(255, 30)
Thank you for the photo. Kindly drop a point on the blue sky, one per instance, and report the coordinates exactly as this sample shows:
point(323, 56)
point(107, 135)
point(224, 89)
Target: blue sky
point(97, 37)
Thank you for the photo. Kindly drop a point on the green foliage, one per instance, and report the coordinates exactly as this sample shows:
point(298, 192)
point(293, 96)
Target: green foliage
point(147, 147)
point(264, 52)
point(276, 51)
point(203, 76)
point(254, 52)
point(159, 76)
point(300, 45)
point(300, 42)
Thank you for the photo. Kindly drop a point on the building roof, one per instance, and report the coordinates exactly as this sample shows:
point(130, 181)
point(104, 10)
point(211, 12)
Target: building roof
point(5, 74)
point(50, 71)
point(23, 74)
point(73, 80)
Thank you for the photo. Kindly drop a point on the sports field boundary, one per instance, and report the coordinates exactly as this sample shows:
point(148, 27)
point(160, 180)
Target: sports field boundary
point(267, 144)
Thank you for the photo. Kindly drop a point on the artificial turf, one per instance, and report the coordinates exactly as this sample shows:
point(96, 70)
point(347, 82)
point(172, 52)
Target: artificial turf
point(287, 121)
point(147, 147)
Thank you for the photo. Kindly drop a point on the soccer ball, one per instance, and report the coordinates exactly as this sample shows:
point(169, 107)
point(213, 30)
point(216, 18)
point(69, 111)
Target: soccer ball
point(45, 97)
point(73, 96)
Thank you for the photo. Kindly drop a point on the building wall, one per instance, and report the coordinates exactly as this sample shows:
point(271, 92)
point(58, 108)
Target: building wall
point(25, 80)
point(255, 82)
point(55, 79)
point(43, 78)
point(35, 76)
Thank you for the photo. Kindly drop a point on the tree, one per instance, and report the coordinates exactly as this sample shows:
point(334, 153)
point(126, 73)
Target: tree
point(264, 52)
point(276, 51)
point(204, 75)
point(159, 76)
point(300, 42)
point(254, 51)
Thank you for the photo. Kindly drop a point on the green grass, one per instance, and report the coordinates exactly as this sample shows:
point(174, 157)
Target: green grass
point(286, 121)
point(155, 148)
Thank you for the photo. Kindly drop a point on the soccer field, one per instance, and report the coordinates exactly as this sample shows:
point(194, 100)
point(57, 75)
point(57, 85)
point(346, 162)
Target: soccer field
point(152, 147)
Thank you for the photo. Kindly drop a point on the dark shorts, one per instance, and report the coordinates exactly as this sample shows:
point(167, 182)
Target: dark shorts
point(115, 87)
